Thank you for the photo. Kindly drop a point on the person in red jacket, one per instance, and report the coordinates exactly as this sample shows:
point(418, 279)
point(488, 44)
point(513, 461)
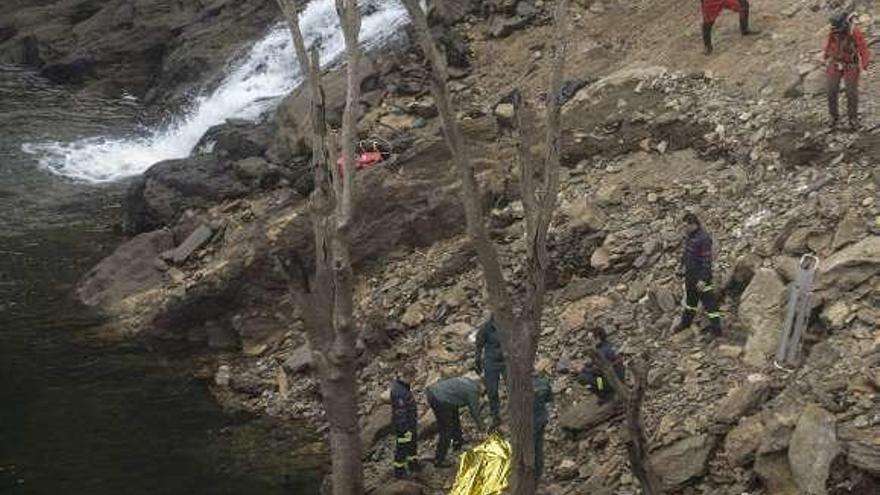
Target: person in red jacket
point(846, 54)
point(712, 9)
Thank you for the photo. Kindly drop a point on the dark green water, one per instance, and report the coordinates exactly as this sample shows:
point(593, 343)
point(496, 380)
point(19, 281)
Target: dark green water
point(80, 415)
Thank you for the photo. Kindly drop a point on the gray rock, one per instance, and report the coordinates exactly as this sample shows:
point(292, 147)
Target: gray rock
point(376, 425)
point(865, 456)
point(526, 8)
point(501, 27)
point(663, 299)
point(761, 312)
point(587, 414)
point(812, 449)
point(849, 268)
point(299, 360)
point(252, 168)
point(743, 441)
point(198, 238)
point(775, 472)
point(683, 461)
point(814, 83)
point(582, 215)
point(740, 401)
point(168, 188)
point(849, 231)
point(129, 270)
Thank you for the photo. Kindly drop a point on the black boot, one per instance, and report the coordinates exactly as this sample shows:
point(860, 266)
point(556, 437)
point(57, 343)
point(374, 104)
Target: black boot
point(707, 38)
point(744, 19)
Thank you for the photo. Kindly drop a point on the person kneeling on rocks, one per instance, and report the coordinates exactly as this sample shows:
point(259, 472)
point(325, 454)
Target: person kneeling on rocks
point(404, 416)
point(591, 374)
point(446, 398)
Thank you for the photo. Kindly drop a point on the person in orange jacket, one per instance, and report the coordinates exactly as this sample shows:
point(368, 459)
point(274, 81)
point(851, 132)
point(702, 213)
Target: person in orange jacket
point(846, 54)
point(712, 9)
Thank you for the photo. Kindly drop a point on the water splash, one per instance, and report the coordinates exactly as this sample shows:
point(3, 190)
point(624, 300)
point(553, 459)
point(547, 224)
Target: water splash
point(254, 86)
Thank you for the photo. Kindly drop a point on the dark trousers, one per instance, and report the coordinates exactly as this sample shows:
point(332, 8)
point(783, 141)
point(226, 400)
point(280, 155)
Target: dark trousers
point(405, 452)
point(709, 300)
point(852, 97)
point(743, 25)
point(539, 449)
point(599, 385)
point(449, 426)
point(492, 373)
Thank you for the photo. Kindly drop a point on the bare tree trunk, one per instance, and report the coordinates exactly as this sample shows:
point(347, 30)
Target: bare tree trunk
point(519, 333)
point(326, 297)
point(637, 441)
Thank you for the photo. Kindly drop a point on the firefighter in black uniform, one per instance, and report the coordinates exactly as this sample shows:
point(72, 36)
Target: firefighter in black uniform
point(591, 374)
point(405, 418)
point(697, 264)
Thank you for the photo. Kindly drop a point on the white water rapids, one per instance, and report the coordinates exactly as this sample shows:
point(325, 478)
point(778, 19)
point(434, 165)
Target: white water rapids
point(255, 84)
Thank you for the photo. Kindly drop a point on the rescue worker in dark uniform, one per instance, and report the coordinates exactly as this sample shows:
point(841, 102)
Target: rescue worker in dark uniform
point(697, 264)
point(404, 416)
point(847, 56)
point(543, 396)
point(446, 398)
point(591, 374)
point(711, 9)
point(489, 362)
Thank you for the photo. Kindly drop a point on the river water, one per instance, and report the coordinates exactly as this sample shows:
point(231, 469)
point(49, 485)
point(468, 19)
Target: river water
point(79, 414)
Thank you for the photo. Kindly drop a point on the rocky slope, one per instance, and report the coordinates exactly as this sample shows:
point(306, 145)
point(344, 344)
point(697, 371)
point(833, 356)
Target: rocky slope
point(652, 129)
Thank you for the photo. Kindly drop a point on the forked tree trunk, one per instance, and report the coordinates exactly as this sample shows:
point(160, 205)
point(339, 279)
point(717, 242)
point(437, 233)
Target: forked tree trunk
point(325, 296)
point(637, 441)
point(519, 330)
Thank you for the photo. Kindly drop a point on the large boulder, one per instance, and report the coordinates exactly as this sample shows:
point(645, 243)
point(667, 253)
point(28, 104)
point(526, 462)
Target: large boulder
point(849, 268)
point(774, 471)
point(849, 230)
point(865, 455)
point(168, 188)
point(812, 449)
point(237, 139)
point(451, 11)
point(299, 360)
point(584, 310)
point(741, 400)
point(683, 461)
point(761, 311)
point(744, 439)
point(376, 425)
point(132, 268)
point(583, 215)
point(587, 414)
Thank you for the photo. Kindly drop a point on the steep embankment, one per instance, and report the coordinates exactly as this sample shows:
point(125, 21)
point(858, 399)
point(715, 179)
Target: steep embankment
point(652, 129)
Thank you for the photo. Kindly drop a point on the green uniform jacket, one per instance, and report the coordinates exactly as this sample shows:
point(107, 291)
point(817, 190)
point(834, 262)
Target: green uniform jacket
point(459, 392)
point(543, 396)
point(488, 350)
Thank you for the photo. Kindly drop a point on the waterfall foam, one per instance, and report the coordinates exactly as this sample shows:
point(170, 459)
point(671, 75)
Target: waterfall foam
point(254, 85)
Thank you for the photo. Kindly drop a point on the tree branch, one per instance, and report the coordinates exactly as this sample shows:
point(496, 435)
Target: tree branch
point(637, 441)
